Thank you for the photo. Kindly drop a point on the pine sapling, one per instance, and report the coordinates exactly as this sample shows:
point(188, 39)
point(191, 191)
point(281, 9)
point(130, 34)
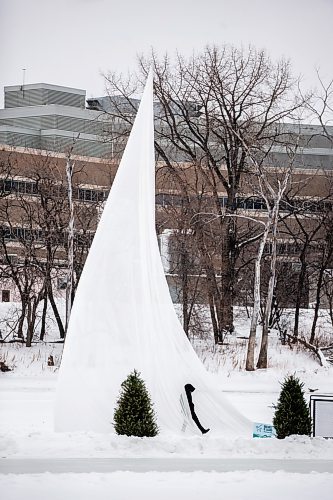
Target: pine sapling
point(292, 414)
point(134, 414)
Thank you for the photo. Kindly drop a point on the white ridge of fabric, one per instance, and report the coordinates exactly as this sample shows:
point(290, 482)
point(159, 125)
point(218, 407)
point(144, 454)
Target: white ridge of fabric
point(123, 316)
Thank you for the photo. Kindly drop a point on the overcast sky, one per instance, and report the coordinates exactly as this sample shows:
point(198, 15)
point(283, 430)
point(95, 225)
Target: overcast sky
point(71, 42)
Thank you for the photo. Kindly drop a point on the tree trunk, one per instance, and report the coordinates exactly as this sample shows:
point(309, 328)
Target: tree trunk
point(256, 301)
point(317, 305)
point(228, 257)
point(329, 295)
point(300, 288)
point(31, 317)
point(263, 354)
point(30, 326)
point(22, 318)
point(213, 292)
point(255, 315)
point(184, 277)
point(70, 271)
point(56, 312)
point(43, 322)
point(213, 317)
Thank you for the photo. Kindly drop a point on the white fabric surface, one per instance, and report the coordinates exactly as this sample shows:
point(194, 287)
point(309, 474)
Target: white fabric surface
point(123, 317)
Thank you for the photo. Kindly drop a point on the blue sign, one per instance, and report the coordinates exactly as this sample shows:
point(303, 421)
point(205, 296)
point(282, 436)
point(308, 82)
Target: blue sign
point(263, 431)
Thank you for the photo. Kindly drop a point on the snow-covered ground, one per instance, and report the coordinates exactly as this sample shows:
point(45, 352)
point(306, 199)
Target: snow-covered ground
point(26, 432)
point(168, 485)
point(26, 418)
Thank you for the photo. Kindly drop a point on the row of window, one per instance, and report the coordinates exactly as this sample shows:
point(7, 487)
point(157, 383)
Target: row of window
point(283, 248)
point(253, 203)
point(285, 206)
point(8, 186)
point(292, 248)
point(40, 236)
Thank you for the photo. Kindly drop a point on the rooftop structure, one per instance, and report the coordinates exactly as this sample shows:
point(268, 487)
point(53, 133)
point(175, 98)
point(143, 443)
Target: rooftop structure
point(53, 118)
point(57, 118)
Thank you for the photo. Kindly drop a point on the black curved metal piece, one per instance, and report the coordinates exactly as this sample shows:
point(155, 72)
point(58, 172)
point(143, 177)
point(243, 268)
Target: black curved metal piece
point(189, 389)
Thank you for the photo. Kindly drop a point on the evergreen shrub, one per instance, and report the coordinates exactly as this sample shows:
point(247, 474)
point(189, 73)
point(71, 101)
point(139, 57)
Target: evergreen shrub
point(292, 414)
point(134, 414)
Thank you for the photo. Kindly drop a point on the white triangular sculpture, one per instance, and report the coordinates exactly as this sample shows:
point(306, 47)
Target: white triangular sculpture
point(123, 317)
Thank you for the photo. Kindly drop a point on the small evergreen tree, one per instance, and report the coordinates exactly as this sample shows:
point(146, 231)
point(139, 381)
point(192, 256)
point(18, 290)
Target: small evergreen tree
point(134, 414)
point(292, 414)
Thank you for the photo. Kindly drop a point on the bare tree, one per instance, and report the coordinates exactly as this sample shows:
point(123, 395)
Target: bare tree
point(37, 215)
point(70, 241)
point(321, 108)
point(323, 264)
point(21, 269)
point(271, 185)
point(303, 223)
point(207, 108)
point(273, 196)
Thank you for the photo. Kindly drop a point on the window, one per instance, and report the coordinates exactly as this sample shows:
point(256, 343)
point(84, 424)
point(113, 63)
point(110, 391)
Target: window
point(12, 258)
point(85, 194)
point(8, 186)
point(62, 283)
point(5, 294)
point(258, 204)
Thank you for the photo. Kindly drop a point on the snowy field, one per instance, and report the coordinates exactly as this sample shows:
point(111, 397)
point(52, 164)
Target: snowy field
point(26, 433)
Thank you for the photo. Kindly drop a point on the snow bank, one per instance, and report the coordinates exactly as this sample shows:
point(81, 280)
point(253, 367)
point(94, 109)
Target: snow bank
point(36, 444)
point(26, 428)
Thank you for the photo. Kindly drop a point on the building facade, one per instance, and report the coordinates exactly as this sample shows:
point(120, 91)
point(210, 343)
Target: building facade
point(52, 118)
point(41, 123)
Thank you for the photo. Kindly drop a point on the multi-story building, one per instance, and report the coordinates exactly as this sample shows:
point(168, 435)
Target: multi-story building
point(52, 118)
point(41, 122)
